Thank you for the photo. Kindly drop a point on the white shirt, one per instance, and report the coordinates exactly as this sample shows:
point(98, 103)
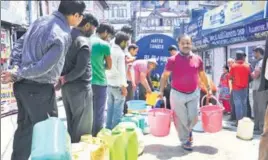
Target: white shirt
point(266, 70)
point(116, 77)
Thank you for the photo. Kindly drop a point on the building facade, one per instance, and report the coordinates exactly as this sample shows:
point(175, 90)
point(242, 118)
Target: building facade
point(119, 13)
point(155, 21)
point(97, 8)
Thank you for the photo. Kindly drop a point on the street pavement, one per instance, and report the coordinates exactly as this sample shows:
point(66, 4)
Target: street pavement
point(218, 146)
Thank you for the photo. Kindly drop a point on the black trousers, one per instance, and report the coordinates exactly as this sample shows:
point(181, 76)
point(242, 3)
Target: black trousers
point(233, 115)
point(167, 95)
point(78, 104)
point(35, 101)
point(249, 107)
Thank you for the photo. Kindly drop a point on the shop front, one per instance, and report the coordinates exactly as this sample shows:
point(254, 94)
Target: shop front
point(5, 46)
point(218, 46)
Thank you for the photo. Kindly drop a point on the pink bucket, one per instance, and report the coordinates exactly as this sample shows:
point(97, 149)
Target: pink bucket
point(212, 117)
point(159, 121)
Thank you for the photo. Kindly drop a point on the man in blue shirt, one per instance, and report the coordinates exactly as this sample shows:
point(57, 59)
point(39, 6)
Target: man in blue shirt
point(39, 58)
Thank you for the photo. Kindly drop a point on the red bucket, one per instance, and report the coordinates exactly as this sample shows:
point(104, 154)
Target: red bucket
point(211, 116)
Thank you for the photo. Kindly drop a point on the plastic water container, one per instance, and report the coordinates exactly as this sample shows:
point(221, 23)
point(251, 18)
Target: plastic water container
point(152, 98)
point(141, 120)
point(146, 129)
point(50, 141)
point(136, 106)
point(159, 121)
point(117, 151)
point(122, 126)
point(212, 117)
point(245, 129)
point(131, 144)
point(130, 118)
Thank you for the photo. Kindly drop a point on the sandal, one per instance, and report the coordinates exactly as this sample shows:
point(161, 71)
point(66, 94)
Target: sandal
point(187, 146)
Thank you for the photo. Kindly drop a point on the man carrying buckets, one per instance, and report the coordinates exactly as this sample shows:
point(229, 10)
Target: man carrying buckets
point(186, 69)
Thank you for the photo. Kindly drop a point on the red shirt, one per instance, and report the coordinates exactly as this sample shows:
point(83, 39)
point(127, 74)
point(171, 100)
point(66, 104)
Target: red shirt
point(185, 72)
point(239, 74)
point(224, 81)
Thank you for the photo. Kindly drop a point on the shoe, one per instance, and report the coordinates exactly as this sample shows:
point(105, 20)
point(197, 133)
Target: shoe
point(257, 132)
point(234, 124)
point(231, 119)
point(187, 146)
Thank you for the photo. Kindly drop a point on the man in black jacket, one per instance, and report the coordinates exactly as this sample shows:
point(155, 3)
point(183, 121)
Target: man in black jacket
point(75, 80)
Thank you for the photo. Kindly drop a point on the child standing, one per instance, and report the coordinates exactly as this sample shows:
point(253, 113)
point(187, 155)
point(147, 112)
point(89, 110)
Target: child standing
point(224, 89)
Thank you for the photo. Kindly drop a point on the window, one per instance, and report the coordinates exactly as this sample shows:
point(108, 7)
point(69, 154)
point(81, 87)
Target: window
point(112, 12)
point(125, 13)
point(161, 22)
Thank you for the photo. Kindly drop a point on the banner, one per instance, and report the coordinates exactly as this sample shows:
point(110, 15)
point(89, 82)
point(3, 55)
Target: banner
point(155, 46)
point(194, 28)
point(5, 43)
point(8, 101)
point(253, 31)
point(233, 13)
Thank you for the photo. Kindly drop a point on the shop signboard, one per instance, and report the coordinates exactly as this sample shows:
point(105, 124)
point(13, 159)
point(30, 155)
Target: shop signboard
point(8, 101)
point(254, 31)
point(155, 46)
point(194, 28)
point(5, 43)
point(258, 29)
point(233, 13)
point(7, 93)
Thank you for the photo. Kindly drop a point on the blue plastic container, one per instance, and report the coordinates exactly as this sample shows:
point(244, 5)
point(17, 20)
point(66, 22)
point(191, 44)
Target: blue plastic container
point(50, 141)
point(136, 105)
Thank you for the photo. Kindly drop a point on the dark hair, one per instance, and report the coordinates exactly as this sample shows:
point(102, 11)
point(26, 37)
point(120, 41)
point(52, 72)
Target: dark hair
point(127, 29)
point(72, 7)
point(89, 18)
point(105, 27)
point(183, 36)
point(172, 48)
point(240, 55)
point(226, 67)
point(120, 37)
point(132, 46)
point(259, 49)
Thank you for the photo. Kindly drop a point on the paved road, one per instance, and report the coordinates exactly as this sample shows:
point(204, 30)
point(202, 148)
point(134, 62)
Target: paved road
point(220, 146)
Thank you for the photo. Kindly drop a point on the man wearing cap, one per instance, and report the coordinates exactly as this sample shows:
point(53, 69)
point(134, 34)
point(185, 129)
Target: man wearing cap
point(141, 69)
point(258, 109)
point(239, 77)
point(173, 50)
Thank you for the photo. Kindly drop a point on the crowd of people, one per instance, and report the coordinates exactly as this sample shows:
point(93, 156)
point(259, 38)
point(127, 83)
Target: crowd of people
point(93, 70)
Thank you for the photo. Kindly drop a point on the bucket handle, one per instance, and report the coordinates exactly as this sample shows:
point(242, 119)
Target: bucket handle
point(163, 109)
point(202, 101)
